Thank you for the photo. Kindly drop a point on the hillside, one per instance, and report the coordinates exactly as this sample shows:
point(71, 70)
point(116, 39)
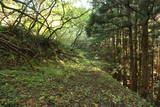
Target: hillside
point(65, 84)
point(79, 53)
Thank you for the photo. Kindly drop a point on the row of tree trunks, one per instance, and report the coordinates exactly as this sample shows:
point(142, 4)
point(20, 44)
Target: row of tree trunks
point(135, 51)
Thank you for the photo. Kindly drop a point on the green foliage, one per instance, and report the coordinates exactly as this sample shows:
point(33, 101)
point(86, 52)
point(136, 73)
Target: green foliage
point(57, 82)
point(63, 84)
point(20, 46)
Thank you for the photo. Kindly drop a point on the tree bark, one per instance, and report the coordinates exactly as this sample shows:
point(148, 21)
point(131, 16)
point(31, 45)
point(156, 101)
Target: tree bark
point(145, 68)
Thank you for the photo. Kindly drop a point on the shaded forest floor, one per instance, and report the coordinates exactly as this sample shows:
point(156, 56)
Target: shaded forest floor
point(64, 84)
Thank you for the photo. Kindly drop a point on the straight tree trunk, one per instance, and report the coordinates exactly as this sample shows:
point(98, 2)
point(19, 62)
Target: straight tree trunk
point(135, 73)
point(124, 58)
point(132, 70)
point(131, 48)
point(145, 68)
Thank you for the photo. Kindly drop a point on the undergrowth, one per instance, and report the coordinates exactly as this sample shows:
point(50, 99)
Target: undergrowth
point(64, 84)
point(20, 47)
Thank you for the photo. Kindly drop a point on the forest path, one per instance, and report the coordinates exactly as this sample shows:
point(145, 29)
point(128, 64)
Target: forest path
point(65, 84)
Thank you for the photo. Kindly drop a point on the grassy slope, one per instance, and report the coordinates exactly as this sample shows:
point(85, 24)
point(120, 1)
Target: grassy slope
point(64, 85)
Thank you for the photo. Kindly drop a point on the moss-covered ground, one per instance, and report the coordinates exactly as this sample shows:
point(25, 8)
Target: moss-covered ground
point(64, 84)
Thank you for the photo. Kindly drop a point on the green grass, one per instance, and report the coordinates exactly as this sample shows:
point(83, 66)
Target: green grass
point(64, 84)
